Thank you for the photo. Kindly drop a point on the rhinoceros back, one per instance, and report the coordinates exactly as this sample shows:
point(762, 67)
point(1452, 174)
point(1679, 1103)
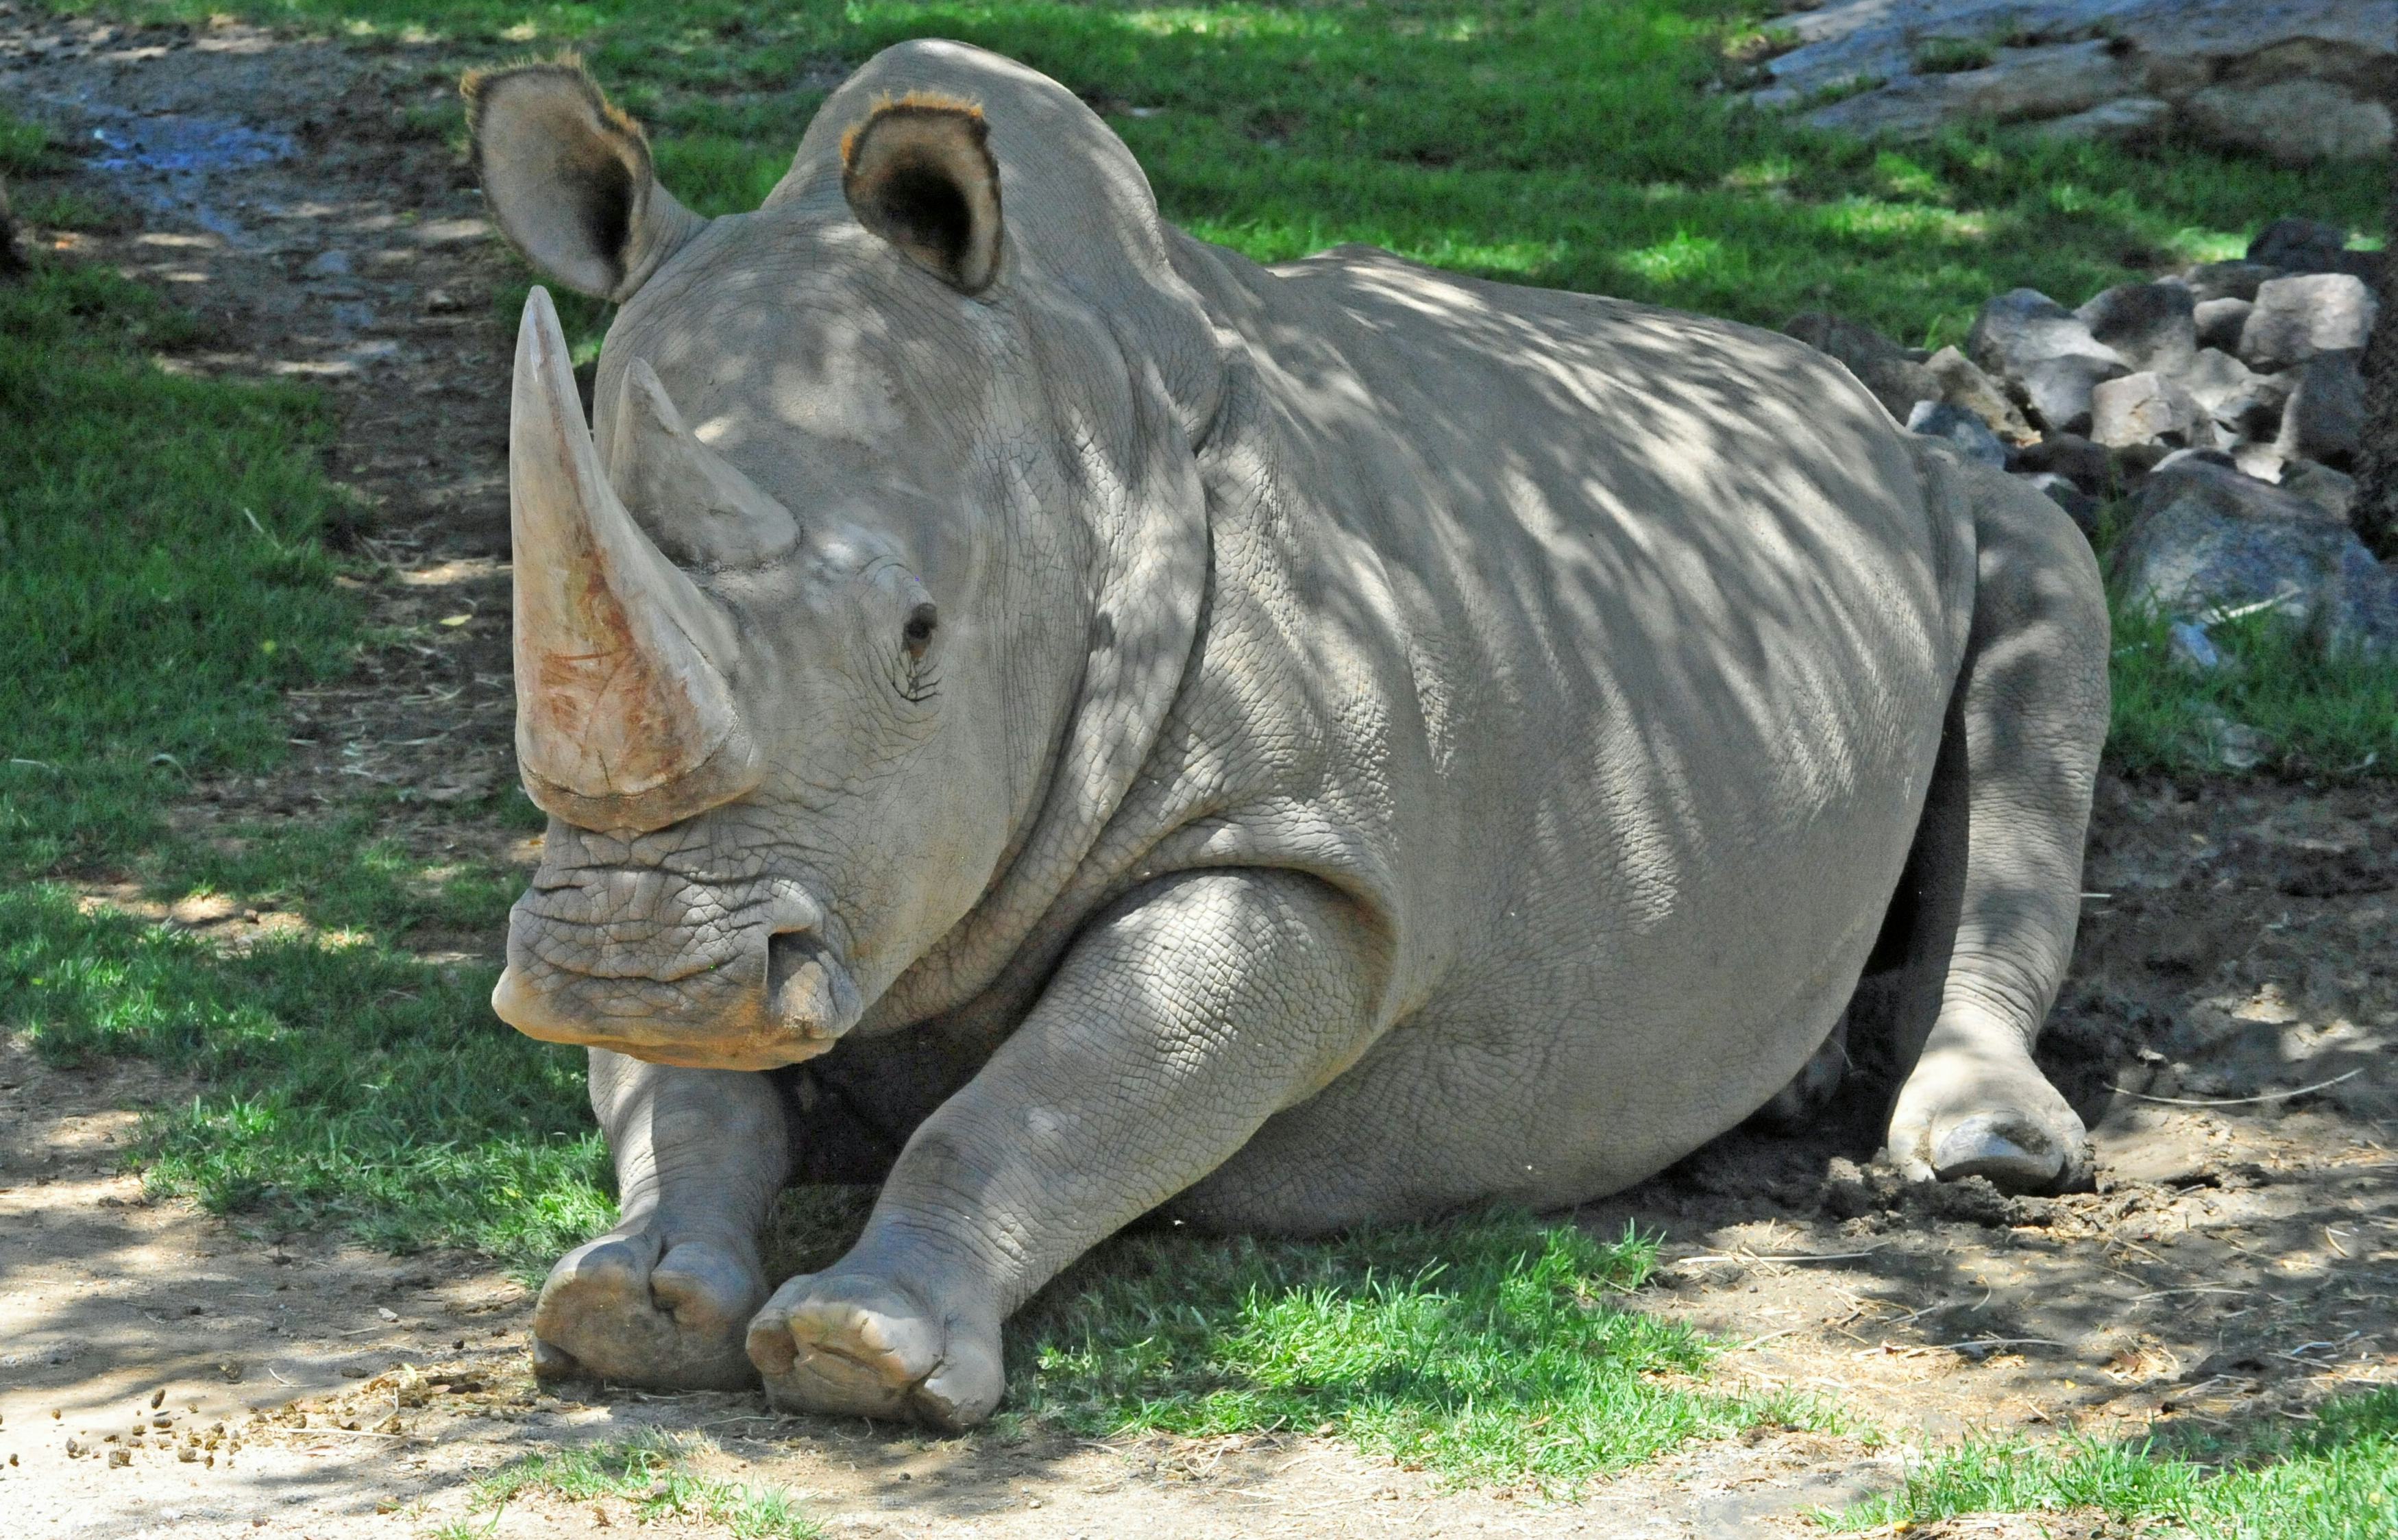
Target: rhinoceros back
point(1626, 637)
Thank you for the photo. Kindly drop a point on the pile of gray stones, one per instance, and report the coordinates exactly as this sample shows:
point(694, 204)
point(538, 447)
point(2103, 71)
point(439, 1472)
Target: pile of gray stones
point(2218, 409)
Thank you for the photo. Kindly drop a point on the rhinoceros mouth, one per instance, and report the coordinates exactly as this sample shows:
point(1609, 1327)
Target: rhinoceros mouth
point(697, 982)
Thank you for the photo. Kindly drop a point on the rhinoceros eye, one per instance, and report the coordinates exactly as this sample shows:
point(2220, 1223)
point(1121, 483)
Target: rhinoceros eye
point(919, 682)
point(922, 622)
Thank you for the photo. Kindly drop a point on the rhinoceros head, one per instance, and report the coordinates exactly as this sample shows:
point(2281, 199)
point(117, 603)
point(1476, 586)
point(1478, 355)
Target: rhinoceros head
point(802, 627)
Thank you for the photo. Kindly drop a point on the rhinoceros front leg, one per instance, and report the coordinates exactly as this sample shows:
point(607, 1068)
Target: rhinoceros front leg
point(664, 1298)
point(1173, 1029)
point(1998, 857)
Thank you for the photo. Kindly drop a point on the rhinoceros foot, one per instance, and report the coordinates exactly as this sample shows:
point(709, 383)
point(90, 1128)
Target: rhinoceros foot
point(1988, 1114)
point(861, 1345)
point(634, 1308)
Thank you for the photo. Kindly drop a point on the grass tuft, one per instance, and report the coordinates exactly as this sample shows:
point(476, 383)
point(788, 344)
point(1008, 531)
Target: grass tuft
point(160, 580)
point(2279, 704)
point(2337, 1479)
point(341, 1082)
point(1488, 1349)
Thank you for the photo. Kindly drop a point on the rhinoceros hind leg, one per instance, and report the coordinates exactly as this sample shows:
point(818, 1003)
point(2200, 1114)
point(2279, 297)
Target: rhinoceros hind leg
point(858, 1346)
point(1995, 878)
point(664, 1299)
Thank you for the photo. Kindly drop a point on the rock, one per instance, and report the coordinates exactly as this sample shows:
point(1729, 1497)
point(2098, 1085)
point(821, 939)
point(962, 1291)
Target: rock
point(1964, 386)
point(2046, 352)
point(2187, 645)
point(2305, 314)
point(2312, 246)
point(2228, 280)
point(2126, 118)
point(2078, 505)
point(2086, 464)
point(2294, 78)
point(2202, 537)
point(2147, 408)
point(2194, 456)
point(2228, 744)
point(1970, 435)
point(2218, 322)
point(2022, 327)
point(2261, 461)
point(2321, 485)
point(2018, 84)
point(2295, 122)
point(2151, 324)
point(2325, 414)
point(2236, 397)
point(1892, 372)
point(2057, 391)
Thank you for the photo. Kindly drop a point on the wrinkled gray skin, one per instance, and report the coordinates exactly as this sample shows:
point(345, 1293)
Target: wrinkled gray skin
point(1400, 742)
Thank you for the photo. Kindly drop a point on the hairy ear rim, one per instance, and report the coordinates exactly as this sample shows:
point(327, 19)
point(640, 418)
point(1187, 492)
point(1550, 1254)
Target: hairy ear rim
point(602, 176)
point(918, 171)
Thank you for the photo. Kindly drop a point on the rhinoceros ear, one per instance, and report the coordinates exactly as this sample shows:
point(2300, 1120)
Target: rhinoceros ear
point(569, 178)
point(919, 172)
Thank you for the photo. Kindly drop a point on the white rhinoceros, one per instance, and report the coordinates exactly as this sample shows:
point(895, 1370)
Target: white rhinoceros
point(1045, 711)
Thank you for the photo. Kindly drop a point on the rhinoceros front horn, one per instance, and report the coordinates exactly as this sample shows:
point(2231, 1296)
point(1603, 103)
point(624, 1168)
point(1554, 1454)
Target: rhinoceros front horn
point(624, 717)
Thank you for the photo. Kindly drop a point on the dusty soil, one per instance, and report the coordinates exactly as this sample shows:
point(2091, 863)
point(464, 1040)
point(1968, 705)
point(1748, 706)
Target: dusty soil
point(2237, 1263)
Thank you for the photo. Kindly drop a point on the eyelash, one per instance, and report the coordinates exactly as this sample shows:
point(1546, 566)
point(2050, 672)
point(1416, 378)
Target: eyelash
point(919, 683)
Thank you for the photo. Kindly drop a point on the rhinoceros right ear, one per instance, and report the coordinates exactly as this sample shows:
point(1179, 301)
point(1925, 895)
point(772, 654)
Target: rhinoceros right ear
point(569, 178)
point(919, 172)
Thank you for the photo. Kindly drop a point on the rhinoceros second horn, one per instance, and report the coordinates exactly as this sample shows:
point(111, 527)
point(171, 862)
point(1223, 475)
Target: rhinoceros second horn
point(623, 720)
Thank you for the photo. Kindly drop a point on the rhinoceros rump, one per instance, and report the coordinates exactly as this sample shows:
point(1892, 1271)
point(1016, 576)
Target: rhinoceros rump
point(1044, 714)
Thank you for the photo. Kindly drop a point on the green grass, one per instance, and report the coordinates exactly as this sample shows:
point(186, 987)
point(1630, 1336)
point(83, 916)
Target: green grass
point(2334, 1478)
point(2294, 709)
point(1560, 143)
point(654, 1474)
point(162, 581)
point(1491, 1349)
point(343, 1084)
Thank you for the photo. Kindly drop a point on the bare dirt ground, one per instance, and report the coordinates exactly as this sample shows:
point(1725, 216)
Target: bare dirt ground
point(2237, 1264)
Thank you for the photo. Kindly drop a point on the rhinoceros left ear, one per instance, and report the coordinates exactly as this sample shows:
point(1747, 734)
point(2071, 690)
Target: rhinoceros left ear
point(919, 172)
point(567, 177)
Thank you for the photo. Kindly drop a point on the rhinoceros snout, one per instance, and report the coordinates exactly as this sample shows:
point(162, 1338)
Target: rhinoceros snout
point(765, 998)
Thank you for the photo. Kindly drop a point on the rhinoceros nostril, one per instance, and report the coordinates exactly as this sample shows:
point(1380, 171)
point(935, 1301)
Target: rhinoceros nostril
point(807, 988)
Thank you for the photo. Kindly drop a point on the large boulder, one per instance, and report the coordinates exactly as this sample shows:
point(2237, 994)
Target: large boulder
point(2218, 322)
point(2303, 315)
point(2292, 121)
point(2047, 352)
point(2325, 488)
point(2147, 408)
point(2242, 401)
point(2151, 324)
point(2295, 80)
point(1965, 386)
point(2020, 84)
point(2086, 464)
point(2311, 246)
point(2325, 419)
point(2228, 280)
point(2203, 539)
point(1967, 433)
